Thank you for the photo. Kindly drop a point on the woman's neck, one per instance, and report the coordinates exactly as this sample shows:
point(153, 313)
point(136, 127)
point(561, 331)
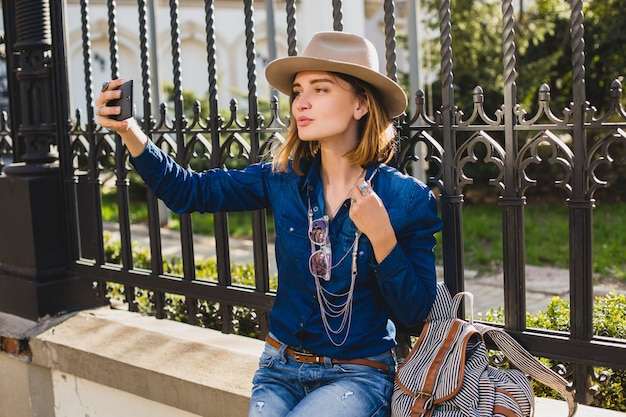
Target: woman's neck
point(338, 178)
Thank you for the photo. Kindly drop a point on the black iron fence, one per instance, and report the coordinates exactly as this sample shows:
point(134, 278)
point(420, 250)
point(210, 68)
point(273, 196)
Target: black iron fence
point(509, 140)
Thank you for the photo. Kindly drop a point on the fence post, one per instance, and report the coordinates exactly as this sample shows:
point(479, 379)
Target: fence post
point(34, 245)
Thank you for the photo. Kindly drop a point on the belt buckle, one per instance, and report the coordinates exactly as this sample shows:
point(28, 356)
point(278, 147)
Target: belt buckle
point(307, 357)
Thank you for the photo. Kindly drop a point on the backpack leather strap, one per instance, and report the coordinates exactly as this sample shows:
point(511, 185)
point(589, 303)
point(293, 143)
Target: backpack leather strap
point(423, 400)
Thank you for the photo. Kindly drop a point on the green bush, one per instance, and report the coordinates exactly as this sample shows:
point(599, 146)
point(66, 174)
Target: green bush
point(208, 313)
point(609, 320)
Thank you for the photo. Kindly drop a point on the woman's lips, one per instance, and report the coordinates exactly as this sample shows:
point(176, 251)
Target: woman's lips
point(304, 121)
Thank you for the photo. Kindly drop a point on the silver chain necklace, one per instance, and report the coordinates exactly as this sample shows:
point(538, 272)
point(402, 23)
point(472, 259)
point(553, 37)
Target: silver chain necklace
point(328, 308)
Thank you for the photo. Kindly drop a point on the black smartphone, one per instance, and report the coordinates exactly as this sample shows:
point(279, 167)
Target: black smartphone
point(125, 102)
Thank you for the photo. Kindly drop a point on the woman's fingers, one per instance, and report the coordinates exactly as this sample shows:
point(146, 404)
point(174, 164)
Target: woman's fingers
point(109, 91)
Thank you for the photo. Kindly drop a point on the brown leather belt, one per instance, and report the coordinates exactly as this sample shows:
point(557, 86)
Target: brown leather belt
point(305, 357)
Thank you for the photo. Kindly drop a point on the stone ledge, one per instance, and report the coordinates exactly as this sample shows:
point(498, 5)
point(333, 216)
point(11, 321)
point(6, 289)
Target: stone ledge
point(200, 371)
point(197, 370)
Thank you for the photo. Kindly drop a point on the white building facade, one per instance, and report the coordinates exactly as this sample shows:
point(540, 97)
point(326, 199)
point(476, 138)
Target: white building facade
point(362, 17)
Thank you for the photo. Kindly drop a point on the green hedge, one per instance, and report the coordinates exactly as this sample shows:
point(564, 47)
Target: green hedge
point(609, 320)
point(609, 314)
point(209, 313)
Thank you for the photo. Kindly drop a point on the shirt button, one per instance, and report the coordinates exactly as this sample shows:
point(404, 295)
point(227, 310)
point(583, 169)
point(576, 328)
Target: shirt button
point(291, 230)
point(301, 324)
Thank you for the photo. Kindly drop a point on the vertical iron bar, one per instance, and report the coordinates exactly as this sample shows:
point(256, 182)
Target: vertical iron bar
point(390, 40)
point(154, 220)
point(581, 209)
point(92, 179)
point(292, 40)
point(390, 61)
point(514, 256)
point(186, 232)
point(259, 227)
point(220, 220)
point(60, 85)
point(337, 16)
point(122, 182)
point(451, 201)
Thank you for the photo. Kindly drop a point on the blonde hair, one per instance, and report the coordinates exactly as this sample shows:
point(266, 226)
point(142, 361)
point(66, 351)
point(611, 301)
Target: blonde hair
point(376, 130)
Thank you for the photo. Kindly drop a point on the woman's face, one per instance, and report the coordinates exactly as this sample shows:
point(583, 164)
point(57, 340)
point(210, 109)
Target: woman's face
point(325, 108)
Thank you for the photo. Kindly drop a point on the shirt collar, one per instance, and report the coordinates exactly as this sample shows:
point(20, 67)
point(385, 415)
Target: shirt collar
point(313, 176)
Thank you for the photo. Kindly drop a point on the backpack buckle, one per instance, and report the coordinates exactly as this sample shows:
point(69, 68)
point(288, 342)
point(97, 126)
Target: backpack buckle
point(422, 403)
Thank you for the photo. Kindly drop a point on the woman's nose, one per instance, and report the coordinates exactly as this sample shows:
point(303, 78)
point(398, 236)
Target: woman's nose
point(302, 101)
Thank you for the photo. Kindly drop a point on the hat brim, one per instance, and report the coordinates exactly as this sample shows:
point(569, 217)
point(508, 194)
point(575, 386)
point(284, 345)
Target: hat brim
point(281, 72)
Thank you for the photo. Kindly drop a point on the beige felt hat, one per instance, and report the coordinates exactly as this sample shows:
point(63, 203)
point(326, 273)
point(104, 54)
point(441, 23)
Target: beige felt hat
point(340, 52)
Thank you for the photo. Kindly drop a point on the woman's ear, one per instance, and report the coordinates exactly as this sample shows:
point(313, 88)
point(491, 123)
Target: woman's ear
point(361, 110)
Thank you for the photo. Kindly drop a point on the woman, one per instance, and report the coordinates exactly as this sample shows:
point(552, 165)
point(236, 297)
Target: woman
point(354, 237)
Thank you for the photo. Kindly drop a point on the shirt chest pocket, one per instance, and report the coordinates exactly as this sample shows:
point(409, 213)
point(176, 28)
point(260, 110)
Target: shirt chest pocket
point(292, 230)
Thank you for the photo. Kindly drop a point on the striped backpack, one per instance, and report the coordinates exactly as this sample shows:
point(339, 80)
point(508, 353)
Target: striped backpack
point(447, 372)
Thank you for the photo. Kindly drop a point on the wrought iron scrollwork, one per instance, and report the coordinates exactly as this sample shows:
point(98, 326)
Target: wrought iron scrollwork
point(275, 120)
point(237, 142)
point(420, 117)
point(196, 121)
point(543, 110)
point(104, 153)
point(433, 155)
point(495, 154)
point(198, 147)
point(479, 111)
point(167, 143)
point(615, 105)
point(269, 146)
point(600, 154)
point(233, 119)
point(559, 154)
point(80, 153)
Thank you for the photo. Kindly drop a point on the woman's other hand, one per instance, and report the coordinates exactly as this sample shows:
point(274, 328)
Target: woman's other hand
point(370, 216)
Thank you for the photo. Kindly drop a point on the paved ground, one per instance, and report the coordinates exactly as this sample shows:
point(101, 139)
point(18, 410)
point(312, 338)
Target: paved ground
point(541, 283)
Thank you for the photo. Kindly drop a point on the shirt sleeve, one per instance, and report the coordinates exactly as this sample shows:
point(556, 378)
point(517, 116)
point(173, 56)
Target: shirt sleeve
point(185, 191)
point(407, 276)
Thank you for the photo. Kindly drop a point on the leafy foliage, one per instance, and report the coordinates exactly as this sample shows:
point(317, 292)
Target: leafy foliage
point(609, 320)
point(542, 50)
point(209, 314)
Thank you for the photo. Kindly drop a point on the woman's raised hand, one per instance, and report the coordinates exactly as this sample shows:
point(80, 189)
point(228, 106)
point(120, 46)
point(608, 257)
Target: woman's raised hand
point(128, 129)
point(370, 216)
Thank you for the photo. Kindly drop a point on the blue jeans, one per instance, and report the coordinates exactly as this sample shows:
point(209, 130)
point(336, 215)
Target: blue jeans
point(284, 387)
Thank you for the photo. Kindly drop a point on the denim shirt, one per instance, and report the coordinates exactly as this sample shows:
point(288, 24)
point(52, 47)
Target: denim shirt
point(401, 288)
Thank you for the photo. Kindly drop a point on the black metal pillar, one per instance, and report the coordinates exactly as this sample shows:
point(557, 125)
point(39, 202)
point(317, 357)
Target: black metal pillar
point(35, 278)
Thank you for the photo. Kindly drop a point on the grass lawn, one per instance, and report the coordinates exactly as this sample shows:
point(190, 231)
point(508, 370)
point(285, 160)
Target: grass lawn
point(547, 237)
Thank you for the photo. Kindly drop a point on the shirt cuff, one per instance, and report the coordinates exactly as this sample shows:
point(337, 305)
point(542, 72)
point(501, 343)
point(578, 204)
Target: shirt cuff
point(147, 156)
point(389, 267)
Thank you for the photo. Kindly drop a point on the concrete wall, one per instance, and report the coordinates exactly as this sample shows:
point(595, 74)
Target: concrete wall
point(112, 363)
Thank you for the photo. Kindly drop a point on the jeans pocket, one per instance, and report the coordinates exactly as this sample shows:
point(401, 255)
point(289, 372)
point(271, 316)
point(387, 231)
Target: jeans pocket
point(266, 360)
